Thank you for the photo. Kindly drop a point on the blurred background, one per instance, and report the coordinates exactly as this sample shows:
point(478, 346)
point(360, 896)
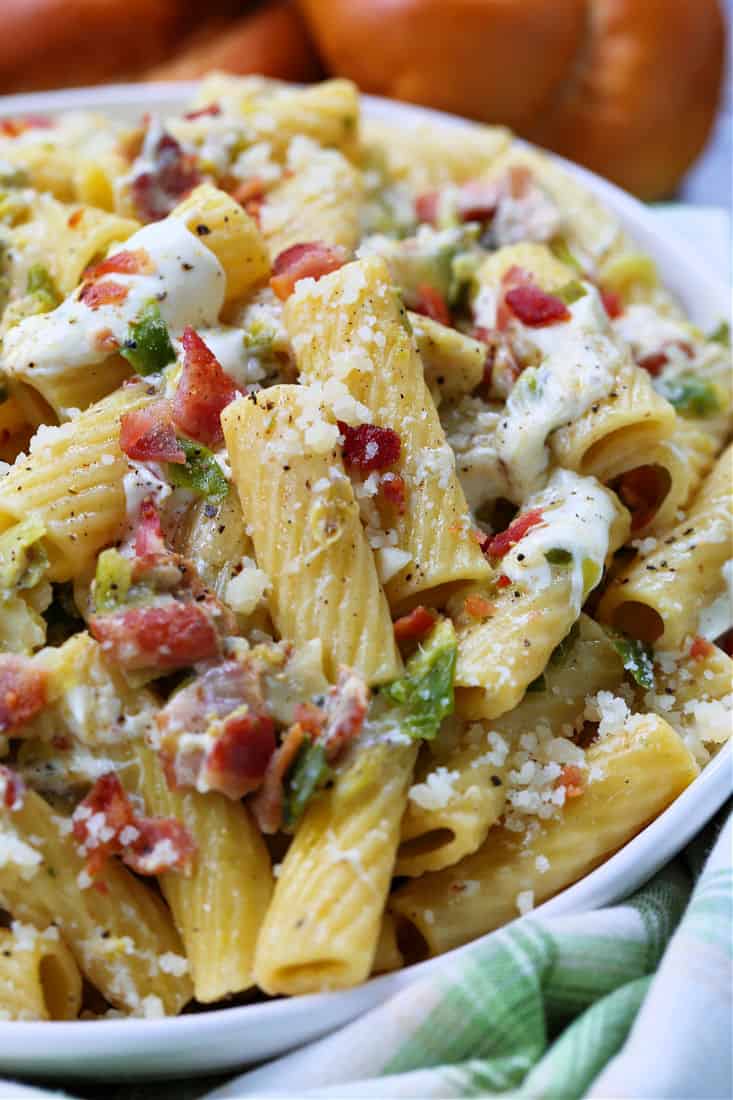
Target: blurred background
point(638, 90)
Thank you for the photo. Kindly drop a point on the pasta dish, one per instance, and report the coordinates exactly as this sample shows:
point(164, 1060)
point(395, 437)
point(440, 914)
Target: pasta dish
point(365, 546)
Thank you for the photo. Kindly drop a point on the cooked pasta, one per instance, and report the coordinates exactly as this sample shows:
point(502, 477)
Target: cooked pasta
point(365, 546)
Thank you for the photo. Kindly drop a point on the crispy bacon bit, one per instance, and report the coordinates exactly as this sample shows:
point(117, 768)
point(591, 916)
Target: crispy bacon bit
point(478, 607)
point(612, 303)
point(302, 261)
point(250, 194)
point(426, 207)
point(238, 759)
point(416, 625)
point(346, 707)
point(110, 293)
point(368, 447)
point(22, 691)
point(12, 789)
point(14, 127)
point(128, 262)
point(203, 392)
point(502, 543)
point(701, 648)
point(654, 363)
point(75, 218)
point(642, 491)
point(477, 201)
point(161, 636)
point(310, 717)
point(267, 804)
point(211, 110)
point(149, 534)
point(149, 435)
point(571, 778)
point(431, 303)
point(156, 193)
point(394, 491)
point(534, 307)
point(105, 824)
point(502, 581)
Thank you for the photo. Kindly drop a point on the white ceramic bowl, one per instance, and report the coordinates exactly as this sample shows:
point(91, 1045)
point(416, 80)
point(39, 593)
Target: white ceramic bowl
point(232, 1037)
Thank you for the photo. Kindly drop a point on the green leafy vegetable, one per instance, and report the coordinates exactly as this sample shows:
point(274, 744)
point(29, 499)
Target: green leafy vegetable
point(41, 285)
point(691, 396)
point(721, 334)
point(558, 556)
point(571, 292)
point(637, 659)
point(112, 581)
point(201, 472)
point(309, 772)
point(148, 345)
point(23, 557)
point(425, 692)
point(559, 249)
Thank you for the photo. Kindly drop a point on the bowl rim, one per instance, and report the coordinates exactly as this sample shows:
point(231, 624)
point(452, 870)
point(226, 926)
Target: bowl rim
point(649, 849)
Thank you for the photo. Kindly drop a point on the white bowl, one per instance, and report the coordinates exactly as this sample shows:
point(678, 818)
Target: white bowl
point(232, 1037)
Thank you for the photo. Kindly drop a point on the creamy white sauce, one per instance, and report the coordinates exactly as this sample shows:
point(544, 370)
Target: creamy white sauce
point(470, 428)
point(578, 513)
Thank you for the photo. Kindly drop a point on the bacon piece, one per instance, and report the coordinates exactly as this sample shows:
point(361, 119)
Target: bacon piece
point(394, 491)
point(431, 303)
point(128, 262)
point(238, 760)
point(211, 110)
point(426, 207)
point(203, 392)
point(14, 127)
point(250, 194)
point(346, 707)
point(22, 691)
point(214, 694)
point(12, 789)
point(502, 543)
point(267, 804)
point(642, 490)
point(149, 435)
point(478, 607)
point(571, 778)
point(416, 625)
point(477, 201)
point(302, 261)
point(534, 307)
point(162, 636)
point(149, 534)
point(156, 193)
point(612, 303)
point(701, 648)
point(105, 824)
point(368, 447)
point(109, 293)
point(654, 363)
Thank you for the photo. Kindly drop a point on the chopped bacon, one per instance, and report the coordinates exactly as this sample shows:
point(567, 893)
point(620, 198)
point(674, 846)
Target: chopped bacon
point(105, 823)
point(302, 261)
point(161, 636)
point(237, 762)
point(109, 293)
point(725, 642)
point(571, 778)
point(368, 447)
point(14, 127)
point(642, 490)
point(155, 193)
point(267, 804)
point(214, 694)
point(477, 201)
point(128, 262)
point(416, 625)
point(75, 218)
point(346, 707)
point(426, 207)
point(612, 303)
point(431, 303)
point(22, 691)
point(203, 392)
point(211, 110)
point(501, 367)
point(701, 648)
point(654, 363)
point(534, 307)
point(250, 194)
point(12, 789)
point(478, 607)
point(394, 491)
point(502, 581)
point(502, 543)
point(149, 435)
point(149, 534)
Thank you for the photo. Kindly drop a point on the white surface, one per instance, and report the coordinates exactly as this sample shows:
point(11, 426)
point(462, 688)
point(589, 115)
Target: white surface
point(228, 1038)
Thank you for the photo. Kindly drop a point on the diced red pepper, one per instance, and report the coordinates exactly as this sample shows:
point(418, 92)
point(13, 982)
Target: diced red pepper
point(105, 823)
point(22, 691)
point(431, 303)
point(534, 307)
point(149, 435)
point(368, 447)
point(128, 262)
point(12, 789)
point(502, 543)
point(416, 625)
point(238, 759)
point(309, 260)
point(162, 636)
point(701, 648)
point(108, 293)
point(203, 392)
point(612, 303)
point(394, 491)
